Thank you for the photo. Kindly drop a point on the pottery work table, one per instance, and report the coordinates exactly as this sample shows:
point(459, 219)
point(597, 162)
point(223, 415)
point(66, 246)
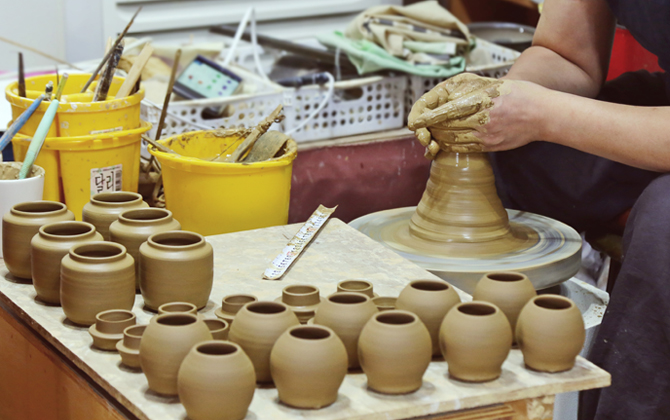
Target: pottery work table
point(338, 253)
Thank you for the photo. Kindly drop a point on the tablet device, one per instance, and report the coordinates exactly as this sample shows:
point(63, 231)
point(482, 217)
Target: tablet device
point(203, 78)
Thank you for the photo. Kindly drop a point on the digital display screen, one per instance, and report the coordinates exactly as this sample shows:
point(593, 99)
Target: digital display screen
point(207, 81)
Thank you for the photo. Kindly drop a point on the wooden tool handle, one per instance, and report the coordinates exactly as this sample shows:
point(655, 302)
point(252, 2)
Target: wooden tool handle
point(135, 71)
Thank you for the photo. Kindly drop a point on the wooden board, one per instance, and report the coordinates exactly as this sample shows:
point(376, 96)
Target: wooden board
point(339, 252)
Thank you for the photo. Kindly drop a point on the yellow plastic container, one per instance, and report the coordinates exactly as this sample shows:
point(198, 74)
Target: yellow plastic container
point(218, 197)
point(77, 115)
point(78, 167)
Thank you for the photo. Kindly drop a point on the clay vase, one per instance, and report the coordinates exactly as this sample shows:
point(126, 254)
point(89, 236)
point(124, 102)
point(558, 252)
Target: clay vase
point(19, 226)
point(509, 291)
point(166, 341)
point(109, 326)
point(256, 328)
point(550, 333)
point(430, 300)
point(394, 350)
point(133, 228)
point(346, 313)
point(308, 364)
point(104, 209)
point(218, 328)
point(176, 266)
point(231, 305)
point(95, 277)
point(129, 347)
point(47, 250)
point(475, 339)
point(216, 382)
point(384, 303)
point(303, 299)
point(360, 286)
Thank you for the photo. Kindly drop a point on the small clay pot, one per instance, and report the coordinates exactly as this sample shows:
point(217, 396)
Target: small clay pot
point(218, 327)
point(475, 339)
point(95, 277)
point(231, 304)
point(47, 250)
point(359, 286)
point(303, 299)
point(308, 365)
point(256, 328)
point(346, 313)
point(394, 350)
point(104, 209)
point(178, 307)
point(133, 228)
point(176, 266)
point(109, 326)
point(509, 291)
point(550, 333)
point(385, 303)
point(19, 226)
point(166, 341)
point(216, 382)
point(430, 300)
point(129, 347)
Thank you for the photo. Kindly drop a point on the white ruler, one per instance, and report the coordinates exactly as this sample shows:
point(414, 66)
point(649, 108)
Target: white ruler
point(298, 243)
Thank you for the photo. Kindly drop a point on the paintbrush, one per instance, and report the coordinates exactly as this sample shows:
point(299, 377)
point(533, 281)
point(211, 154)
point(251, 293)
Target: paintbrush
point(105, 81)
point(19, 123)
point(22, 78)
point(168, 94)
point(111, 50)
point(48, 90)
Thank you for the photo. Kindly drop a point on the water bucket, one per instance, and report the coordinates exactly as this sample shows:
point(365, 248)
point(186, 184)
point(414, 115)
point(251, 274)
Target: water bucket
point(218, 197)
point(78, 167)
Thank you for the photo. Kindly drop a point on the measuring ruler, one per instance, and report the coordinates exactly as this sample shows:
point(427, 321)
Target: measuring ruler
point(298, 243)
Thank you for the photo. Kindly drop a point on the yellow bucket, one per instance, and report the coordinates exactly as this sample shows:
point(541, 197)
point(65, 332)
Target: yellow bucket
point(78, 167)
point(219, 197)
point(77, 115)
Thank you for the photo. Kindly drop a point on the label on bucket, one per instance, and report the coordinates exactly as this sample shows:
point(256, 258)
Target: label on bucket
point(107, 179)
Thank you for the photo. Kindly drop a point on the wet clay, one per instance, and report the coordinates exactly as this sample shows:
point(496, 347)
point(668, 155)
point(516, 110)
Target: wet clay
point(10, 170)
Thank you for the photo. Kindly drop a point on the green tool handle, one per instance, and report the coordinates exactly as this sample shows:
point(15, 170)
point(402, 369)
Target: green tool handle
point(38, 139)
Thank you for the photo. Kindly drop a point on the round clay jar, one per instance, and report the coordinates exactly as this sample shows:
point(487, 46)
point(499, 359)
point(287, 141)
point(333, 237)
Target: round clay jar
point(303, 299)
point(359, 286)
point(178, 307)
point(394, 351)
point(308, 364)
point(95, 277)
point(218, 328)
point(216, 382)
point(256, 328)
point(20, 224)
point(231, 305)
point(176, 266)
point(385, 303)
point(104, 208)
point(129, 347)
point(550, 333)
point(109, 326)
point(475, 339)
point(47, 250)
point(430, 300)
point(509, 291)
point(133, 228)
point(346, 313)
point(166, 341)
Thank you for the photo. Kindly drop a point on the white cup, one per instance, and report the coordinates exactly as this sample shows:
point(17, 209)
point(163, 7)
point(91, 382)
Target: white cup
point(15, 191)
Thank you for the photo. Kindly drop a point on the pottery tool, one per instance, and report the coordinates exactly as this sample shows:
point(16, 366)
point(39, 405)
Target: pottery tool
point(48, 90)
point(110, 51)
point(38, 52)
point(42, 131)
point(298, 243)
point(157, 145)
point(135, 71)
point(22, 78)
point(255, 134)
point(168, 94)
point(19, 123)
point(267, 146)
point(102, 89)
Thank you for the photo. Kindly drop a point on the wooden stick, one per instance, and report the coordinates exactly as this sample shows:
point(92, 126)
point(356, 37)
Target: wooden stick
point(111, 50)
point(254, 135)
point(166, 102)
point(105, 81)
point(135, 71)
point(38, 52)
point(22, 78)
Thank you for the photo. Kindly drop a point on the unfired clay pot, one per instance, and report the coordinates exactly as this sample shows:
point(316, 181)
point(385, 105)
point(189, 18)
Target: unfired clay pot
point(178, 307)
point(218, 328)
point(256, 328)
point(360, 286)
point(19, 226)
point(394, 350)
point(550, 333)
point(430, 300)
point(308, 366)
point(346, 313)
point(475, 339)
point(95, 277)
point(231, 304)
point(104, 209)
point(109, 326)
point(216, 382)
point(509, 291)
point(303, 299)
point(133, 228)
point(176, 266)
point(385, 303)
point(166, 341)
point(129, 347)
point(48, 248)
